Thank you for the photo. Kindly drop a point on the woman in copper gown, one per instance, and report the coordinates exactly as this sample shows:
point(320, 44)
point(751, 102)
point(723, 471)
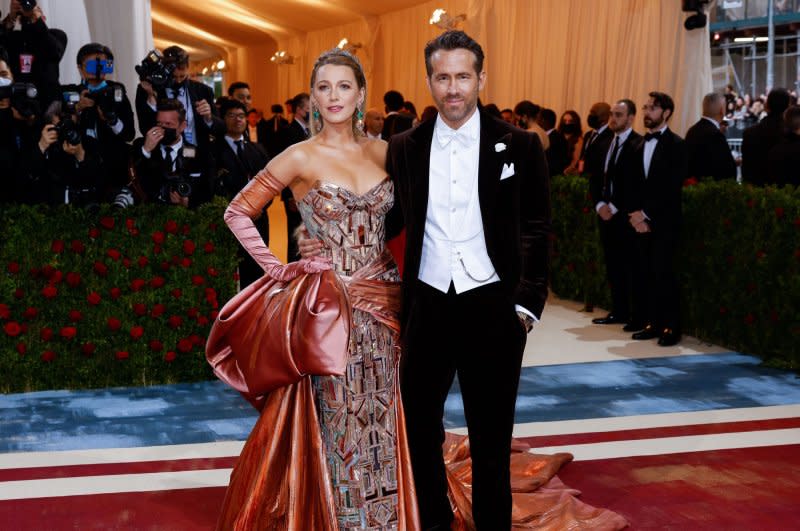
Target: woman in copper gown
point(329, 452)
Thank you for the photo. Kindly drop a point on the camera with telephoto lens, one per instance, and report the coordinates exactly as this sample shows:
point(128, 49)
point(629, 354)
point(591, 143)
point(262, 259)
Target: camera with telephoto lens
point(154, 70)
point(108, 100)
point(124, 198)
point(68, 131)
point(27, 5)
point(23, 97)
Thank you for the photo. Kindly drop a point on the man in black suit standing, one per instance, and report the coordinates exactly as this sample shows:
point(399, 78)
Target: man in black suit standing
point(597, 139)
point(198, 100)
point(709, 154)
point(759, 139)
point(237, 161)
point(272, 132)
point(784, 159)
point(655, 214)
point(297, 131)
point(557, 154)
point(474, 196)
point(395, 121)
point(608, 194)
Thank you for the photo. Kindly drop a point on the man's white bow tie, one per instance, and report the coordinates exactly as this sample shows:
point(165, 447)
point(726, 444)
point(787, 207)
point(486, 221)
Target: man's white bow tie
point(447, 136)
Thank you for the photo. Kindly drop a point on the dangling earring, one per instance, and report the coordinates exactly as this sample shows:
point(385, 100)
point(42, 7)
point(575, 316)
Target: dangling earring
point(360, 119)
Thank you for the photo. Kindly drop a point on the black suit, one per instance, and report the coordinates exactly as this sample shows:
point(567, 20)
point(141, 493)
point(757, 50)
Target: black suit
point(475, 334)
point(196, 92)
point(658, 195)
point(757, 141)
point(233, 173)
point(709, 154)
point(616, 234)
point(271, 135)
point(558, 157)
point(784, 161)
point(396, 123)
point(595, 147)
point(194, 163)
point(293, 134)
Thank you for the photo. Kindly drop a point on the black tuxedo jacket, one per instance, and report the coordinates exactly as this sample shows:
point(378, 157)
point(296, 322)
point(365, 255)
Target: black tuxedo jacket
point(784, 161)
point(757, 141)
point(272, 139)
point(558, 153)
point(594, 155)
point(610, 186)
point(396, 123)
point(232, 173)
point(197, 91)
point(515, 211)
point(659, 194)
point(709, 154)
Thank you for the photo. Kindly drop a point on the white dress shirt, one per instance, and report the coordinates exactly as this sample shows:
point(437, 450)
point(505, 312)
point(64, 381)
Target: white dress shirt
point(454, 247)
point(649, 149)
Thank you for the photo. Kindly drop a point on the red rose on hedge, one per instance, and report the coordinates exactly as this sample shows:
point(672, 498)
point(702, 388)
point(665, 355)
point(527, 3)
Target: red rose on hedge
point(113, 254)
point(208, 247)
point(185, 229)
point(22, 348)
point(142, 261)
point(212, 227)
point(30, 312)
point(170, 356)
point(94, 298)
point(75, 316)
point(107, 222)
point(157, 282)
point(130, 223)
point(122, 355)
point(73, 279)
point(100, 268)
point(13, 268)
point(188, 247)
point(171, 226)
point(12, 328)
point(137, 332)
point(137, 284)
point(158, 310)
point(177, 293)
point(202, 320)
point(77, 246)
point(156, 345)
point(68, 332)
point(192, 312)
point(87, 349)
point(139, 308)
point(213, 314)
point(186, 262)
point(57, 246)
point(19, 293)
point(196, 340)
point(5, 311)
point(115, 293)
point(198, 280)
point(165, 266)
point(212, 271)
point(48, 355)
point(175, 321)
point(185, 345)
point(55, 277)
point(48, 292)
point(156, 249)
point(46, 334)
point(114, 323)
point(126, 262)
point(94, 233)
point(158, 237)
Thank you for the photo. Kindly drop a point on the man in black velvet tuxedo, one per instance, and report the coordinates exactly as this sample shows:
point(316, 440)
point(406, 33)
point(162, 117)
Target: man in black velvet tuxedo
point(474, 196)
point(608, 192)
point(709, 154)
point(654, 201)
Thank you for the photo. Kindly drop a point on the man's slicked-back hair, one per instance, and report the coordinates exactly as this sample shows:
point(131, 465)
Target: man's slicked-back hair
point(236, 85)
point(166, 105)
point(629, 105)
point(664, 101)
point(453, 40)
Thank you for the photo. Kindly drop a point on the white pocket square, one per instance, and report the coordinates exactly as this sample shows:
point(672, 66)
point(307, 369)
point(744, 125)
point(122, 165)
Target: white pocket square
point(508, 171)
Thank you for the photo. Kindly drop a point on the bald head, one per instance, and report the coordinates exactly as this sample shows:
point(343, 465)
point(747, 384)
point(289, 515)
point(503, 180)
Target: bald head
point(714, 106)
point(598, 115)
point(373, 122)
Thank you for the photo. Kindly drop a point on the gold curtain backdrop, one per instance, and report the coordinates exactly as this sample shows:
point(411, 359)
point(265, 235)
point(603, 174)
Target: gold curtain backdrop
point(562, 54)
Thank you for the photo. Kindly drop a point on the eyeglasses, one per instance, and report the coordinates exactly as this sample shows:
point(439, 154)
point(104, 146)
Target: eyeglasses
point(236, 116)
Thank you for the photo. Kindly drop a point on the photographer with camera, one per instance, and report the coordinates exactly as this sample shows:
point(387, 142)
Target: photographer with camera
point(63, 168)
point(104, 113)
point(167, 76)
point(169, 169)
point(34, 49)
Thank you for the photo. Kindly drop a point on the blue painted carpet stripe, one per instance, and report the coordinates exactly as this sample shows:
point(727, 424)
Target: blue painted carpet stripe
point(210, 411)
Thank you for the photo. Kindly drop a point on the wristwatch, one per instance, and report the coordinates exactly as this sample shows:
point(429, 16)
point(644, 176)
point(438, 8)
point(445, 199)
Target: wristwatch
point(526, 320)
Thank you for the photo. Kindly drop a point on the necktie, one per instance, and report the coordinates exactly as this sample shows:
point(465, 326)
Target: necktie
point(168, 156)
point(239, 149)
point(592, 136)
point(614, 151)
point(608, 182)
point(651, 136)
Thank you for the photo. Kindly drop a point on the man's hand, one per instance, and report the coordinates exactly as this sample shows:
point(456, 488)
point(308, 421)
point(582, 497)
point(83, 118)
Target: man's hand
point(177, 199)
point(636, 217)
point(203, 109)
point(642, 227)
point(605, 212)
point(152, 138)
point(152, 98)
point(85, 102)
point(5, 103)
point(48, 138)
point(14, 11)
point(76, 151)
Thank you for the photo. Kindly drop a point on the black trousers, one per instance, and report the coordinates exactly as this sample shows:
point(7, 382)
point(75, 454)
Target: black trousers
point(616, 236)
point(476, 335)
point(656, 286)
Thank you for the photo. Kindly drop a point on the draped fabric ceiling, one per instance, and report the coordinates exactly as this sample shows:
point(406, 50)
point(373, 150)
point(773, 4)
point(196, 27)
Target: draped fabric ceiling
point(563, 54)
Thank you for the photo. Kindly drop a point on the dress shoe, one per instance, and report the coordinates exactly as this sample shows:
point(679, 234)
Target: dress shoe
point(649, 332)
point(633, 327)
point(668, 338)
point(609, 319)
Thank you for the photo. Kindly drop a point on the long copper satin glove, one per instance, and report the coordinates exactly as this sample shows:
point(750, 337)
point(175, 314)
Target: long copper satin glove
point(247, 206)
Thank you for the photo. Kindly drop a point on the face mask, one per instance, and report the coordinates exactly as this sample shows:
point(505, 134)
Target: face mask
point(170, 136)
point(569, 129)
point(96, 88)
point(5, 82)
point(594, 121)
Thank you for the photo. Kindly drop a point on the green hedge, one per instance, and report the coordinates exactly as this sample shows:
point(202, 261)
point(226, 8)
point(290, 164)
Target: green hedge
point(739, 263)
point(120, 297)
